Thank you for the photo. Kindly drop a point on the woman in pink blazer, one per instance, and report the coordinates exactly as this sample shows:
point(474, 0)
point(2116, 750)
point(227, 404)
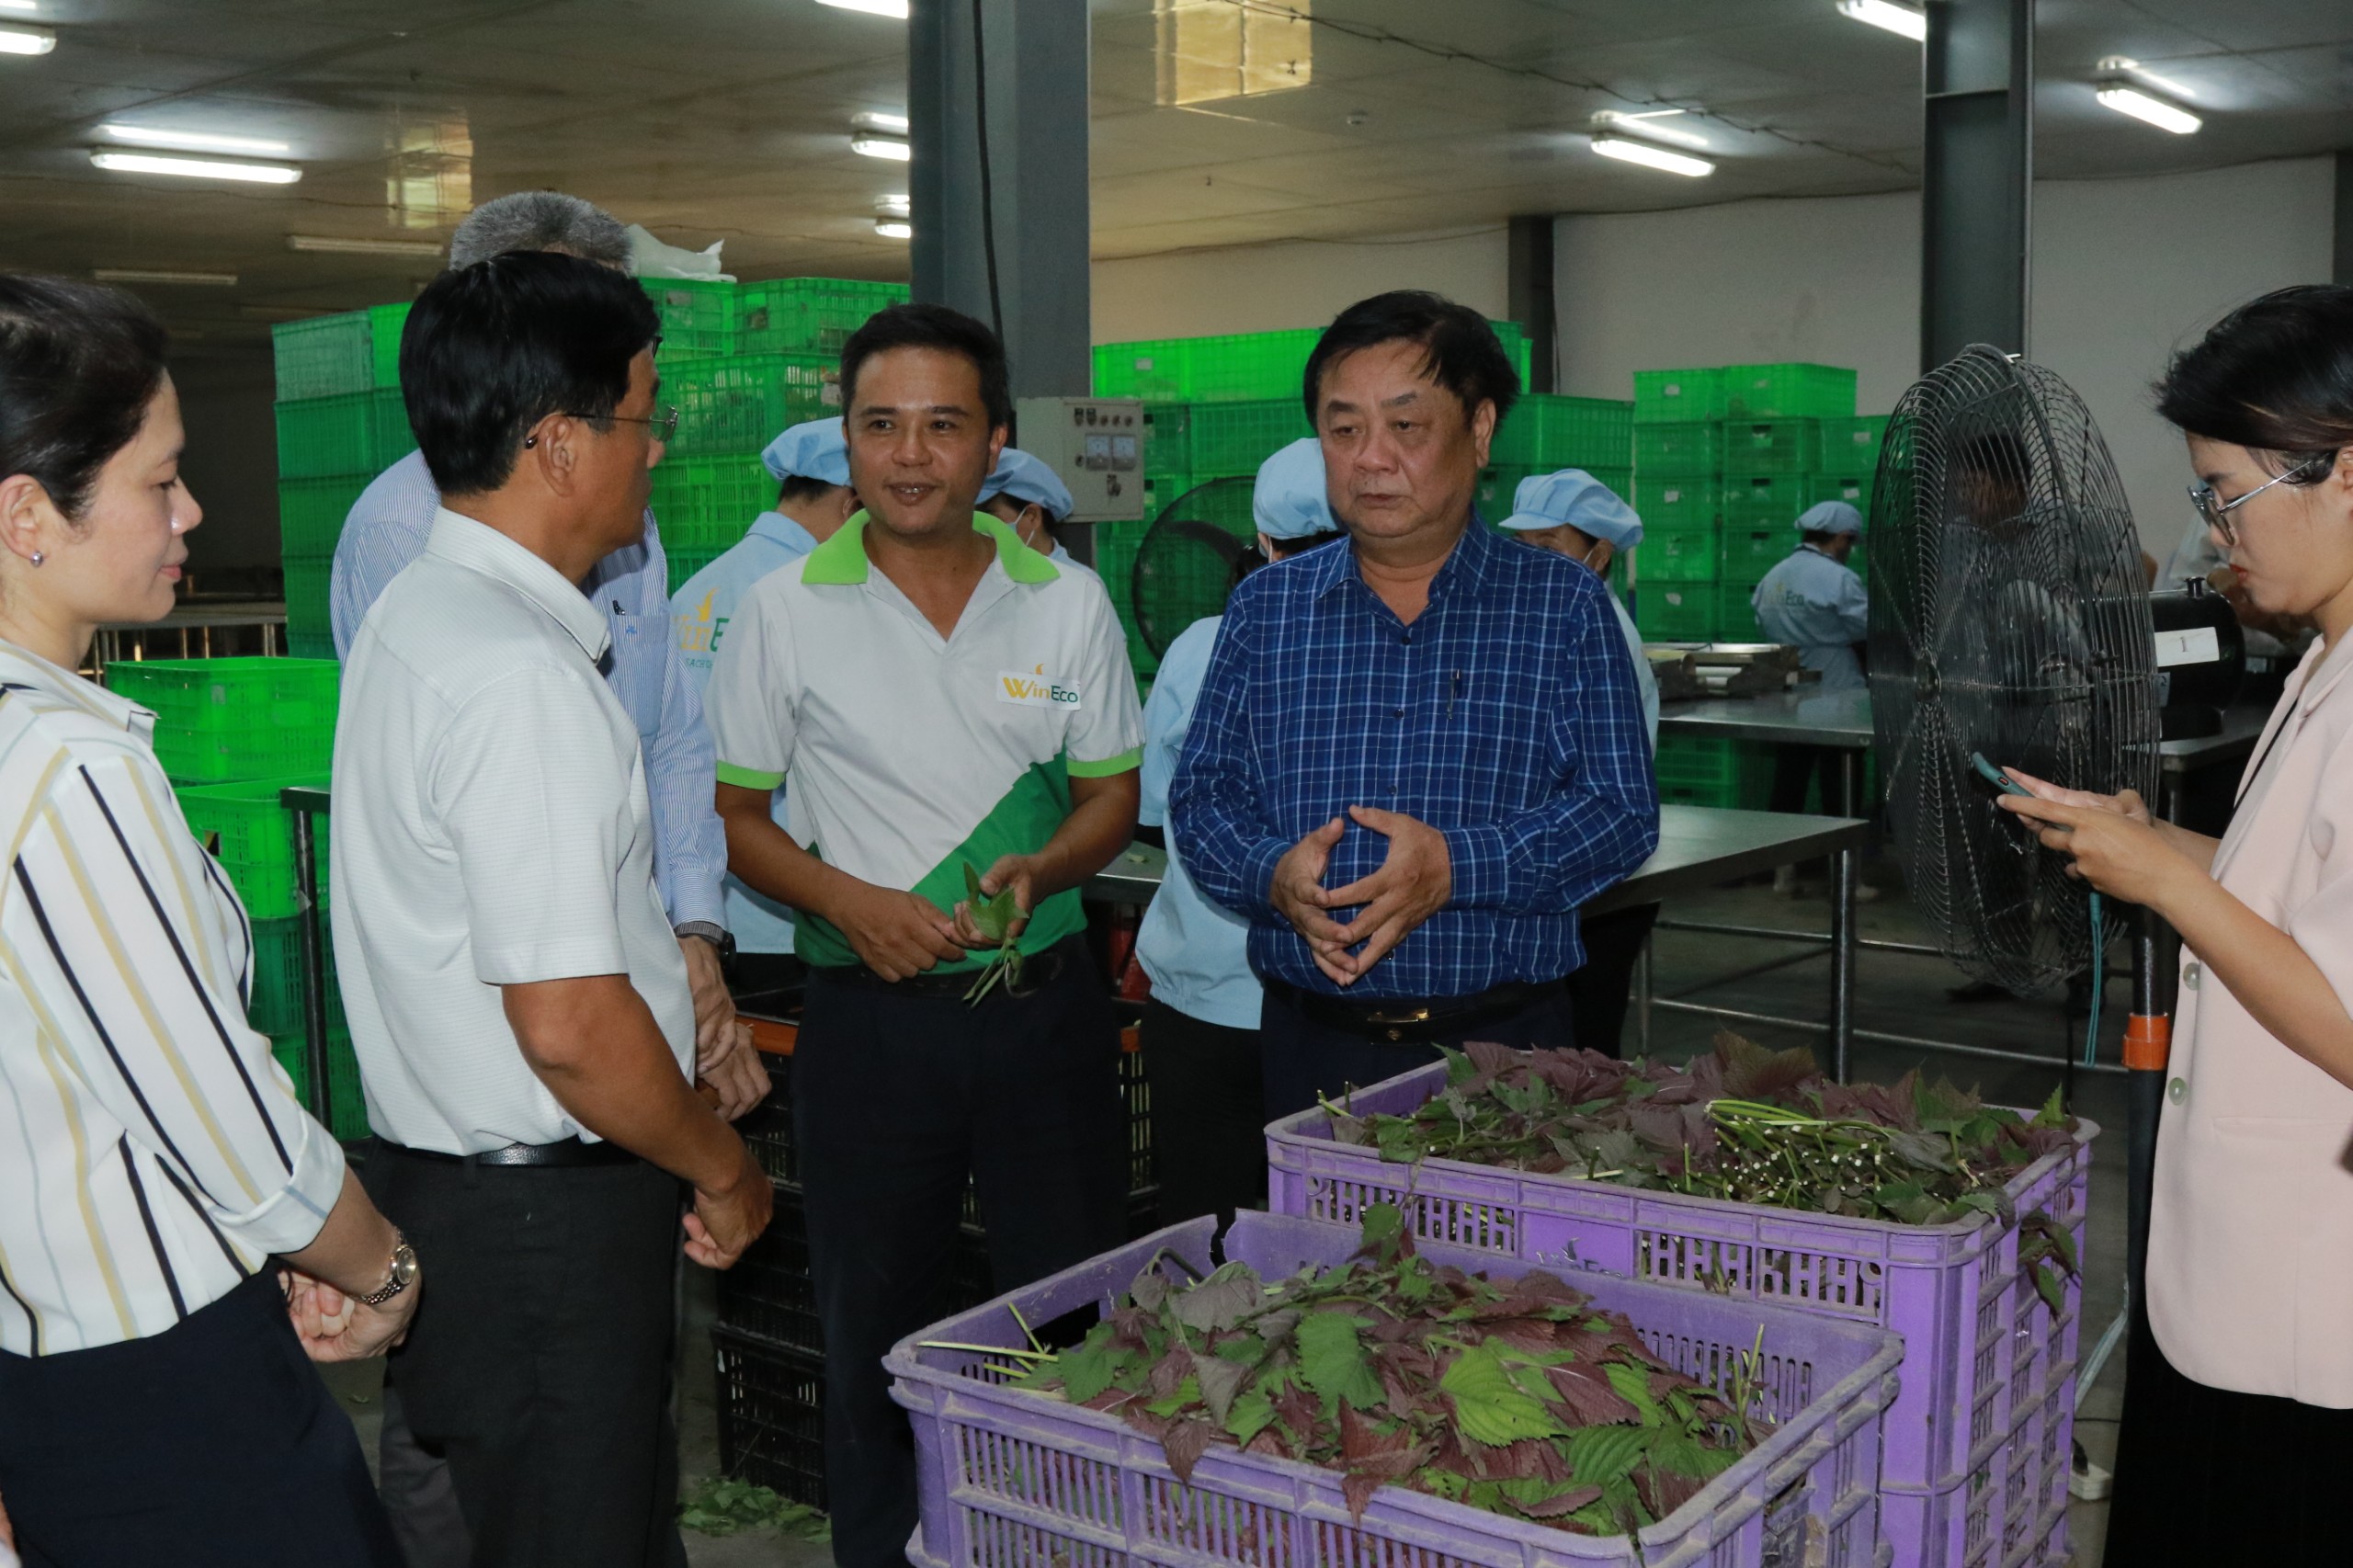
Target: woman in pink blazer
point(2238, 1417)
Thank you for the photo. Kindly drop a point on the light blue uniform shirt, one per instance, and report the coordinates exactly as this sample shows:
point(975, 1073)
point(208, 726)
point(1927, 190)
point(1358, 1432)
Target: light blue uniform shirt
point(1645, 682)
point(1196, 951)
point(705, 604)
point(1819, 606)
point(388, 528)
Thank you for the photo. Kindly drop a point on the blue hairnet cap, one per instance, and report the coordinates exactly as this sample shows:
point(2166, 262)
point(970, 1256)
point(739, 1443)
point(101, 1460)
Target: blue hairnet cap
point(815, 450)
point(1030, 482)
point(1830, 517)
point(1289, 500)
point(1574, 497)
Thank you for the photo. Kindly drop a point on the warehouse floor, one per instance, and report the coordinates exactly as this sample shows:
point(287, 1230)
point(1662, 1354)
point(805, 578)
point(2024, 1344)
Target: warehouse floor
point(1895, 993)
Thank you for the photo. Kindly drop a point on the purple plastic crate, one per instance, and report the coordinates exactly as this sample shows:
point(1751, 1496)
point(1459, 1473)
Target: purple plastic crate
point(1981, 1347)
point(1010, 1478)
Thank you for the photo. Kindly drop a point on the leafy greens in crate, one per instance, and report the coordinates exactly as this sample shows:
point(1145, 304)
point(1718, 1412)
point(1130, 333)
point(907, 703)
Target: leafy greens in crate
point(1741, 1124)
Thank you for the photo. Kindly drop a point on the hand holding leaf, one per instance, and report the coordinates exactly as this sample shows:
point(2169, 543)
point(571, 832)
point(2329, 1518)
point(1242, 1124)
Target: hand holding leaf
point(981, 919)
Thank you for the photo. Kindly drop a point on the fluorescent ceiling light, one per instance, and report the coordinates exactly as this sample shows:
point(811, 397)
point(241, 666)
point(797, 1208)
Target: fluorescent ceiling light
point(881, 147)
point(194, 168)
point(151, 275)
point(2118, 65)
point(1896, 18)
point(26, 40)
point(895, 228)
point(888, 124)
point(895, 9)
point(192, 140)
point(18, 5)
point(1652, 157)
point(337, 245)
point(1647, 123)
point(2155, 111)
point(894, 206)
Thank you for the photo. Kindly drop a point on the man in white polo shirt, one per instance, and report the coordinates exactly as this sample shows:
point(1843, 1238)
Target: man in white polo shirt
point(519, 1004)
point(941, 696)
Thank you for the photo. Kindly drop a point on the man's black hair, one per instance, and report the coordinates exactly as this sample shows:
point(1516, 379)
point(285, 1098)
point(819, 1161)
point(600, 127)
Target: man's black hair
point(932, 326)
point(1822, 535)
point(1460, 350)
point(800, 487)
point(493, 348)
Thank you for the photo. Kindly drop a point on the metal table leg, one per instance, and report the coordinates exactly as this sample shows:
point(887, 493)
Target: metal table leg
point(1845, 867)
point(1643, 996)
point(315, 967)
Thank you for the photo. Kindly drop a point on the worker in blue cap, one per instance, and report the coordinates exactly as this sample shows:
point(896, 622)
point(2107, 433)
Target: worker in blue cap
point(1573, 514)
point(1026, 494)
point(1813, 601)
point(810, 465)
point(1201, 1026)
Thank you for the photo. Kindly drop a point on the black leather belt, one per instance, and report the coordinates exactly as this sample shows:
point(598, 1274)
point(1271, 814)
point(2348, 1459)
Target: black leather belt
point(571, 1151)
point(1396, 1020)
point(1037, 970)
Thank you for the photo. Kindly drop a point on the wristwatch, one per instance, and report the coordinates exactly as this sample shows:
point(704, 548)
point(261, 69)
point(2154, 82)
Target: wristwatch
point(718, 936)
point(404, 1273)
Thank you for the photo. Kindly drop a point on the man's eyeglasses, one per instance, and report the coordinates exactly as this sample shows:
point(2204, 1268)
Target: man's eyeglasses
point(662, 426)
point(2216, 512)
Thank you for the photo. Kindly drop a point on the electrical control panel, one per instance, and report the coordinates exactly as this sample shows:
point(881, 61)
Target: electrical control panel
point(1097, 445)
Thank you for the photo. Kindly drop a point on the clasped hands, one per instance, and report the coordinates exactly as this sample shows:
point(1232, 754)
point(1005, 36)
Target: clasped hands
point(1411, 885)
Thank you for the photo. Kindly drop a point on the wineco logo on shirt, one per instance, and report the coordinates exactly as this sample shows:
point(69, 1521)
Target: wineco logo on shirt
point(1032, 690)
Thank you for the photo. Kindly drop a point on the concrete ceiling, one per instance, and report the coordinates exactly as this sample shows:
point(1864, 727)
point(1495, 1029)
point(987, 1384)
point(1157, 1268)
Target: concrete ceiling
point(728, 120)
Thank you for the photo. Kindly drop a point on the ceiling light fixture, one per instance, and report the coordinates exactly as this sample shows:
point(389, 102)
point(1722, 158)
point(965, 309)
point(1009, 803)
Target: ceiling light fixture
point(1646, 124)
point(894, 9)
point(1651, 157)
point(895, 228)
point(894, 206)
point(1896, 18)
point(2118, 65)
point(26, 40)
point(191, 140)
point(2141, 106)
point(335, 245)
point(18, 5)
point(193, 168)
point(151, 275)
point(881, 147)
point(873, 120)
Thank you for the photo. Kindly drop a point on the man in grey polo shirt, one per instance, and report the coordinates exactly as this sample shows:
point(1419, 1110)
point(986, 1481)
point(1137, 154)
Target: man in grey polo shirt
point(519, 1006)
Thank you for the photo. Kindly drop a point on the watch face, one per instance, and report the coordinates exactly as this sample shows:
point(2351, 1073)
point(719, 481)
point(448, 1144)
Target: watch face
point(404, 1265)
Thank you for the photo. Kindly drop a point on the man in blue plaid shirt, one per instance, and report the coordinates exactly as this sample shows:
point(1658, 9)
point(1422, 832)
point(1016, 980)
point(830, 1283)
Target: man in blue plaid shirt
point(1416, 750)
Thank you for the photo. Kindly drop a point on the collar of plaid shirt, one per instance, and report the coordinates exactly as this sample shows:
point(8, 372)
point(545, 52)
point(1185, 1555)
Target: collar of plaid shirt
point(1506, 716)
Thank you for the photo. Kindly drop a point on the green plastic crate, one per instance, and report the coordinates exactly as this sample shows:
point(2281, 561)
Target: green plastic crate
point(229, 696)
point(1672, 501)
point(1242, 367)
point(1497, 486)
point(325, 357)
point(1679, 448)
point(1747, 553)
point(1159, 490)
point(1772, 446)
point(212, 756)
point(1115, 562)
point(308, 638)
point(1851, 446)
point(709, 503)
point(1678, 397)
point(347, 1103)
point(385, 326)
point(685, 564)
point(359, 433)
point(307, 582)
point(807, 315)
point(1548, 431)
point(1698, 771)
point(1167, 439)
point(1792, 391)
point(697, 316)
point(1736, 615)
point(1763, 500)
point(1676, 612)
point(310, 512)
point(1853, 489)
point(1231, 439)
point(1677, 554)
point(742, 402)
point(255, 839)
point(275, 1004)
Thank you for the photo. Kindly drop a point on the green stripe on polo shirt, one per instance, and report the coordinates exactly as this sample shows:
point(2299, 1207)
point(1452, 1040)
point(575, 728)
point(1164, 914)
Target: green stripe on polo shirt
point(748, 777)
point(1019, 823)
point(842, 559)
point(1127, 761)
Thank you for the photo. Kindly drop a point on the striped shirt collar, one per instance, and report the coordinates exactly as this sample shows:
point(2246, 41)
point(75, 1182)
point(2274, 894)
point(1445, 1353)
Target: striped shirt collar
point(19, 666)
point(463, 542)
point(1467, 562)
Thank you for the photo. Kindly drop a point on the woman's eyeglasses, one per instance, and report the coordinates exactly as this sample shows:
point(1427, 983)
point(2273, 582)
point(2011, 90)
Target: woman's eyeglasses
point(2216, 512)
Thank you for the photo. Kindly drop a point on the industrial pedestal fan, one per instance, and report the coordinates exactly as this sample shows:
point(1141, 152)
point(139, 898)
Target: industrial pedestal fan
point(1184, 567)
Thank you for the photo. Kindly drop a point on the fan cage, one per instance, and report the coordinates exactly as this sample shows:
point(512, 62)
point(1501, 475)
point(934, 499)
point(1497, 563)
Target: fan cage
point(1184, 567)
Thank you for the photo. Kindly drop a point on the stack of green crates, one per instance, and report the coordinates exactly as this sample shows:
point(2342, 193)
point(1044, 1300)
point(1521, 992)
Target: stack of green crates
point(1699, 771)
point(741, 361)
point(1725, 458)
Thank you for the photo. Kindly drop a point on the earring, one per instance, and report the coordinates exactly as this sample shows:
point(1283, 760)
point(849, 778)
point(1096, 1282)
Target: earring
point(39, 558)
point(530, 442)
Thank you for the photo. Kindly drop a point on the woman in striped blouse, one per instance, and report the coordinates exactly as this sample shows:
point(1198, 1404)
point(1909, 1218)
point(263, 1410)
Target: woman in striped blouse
point(155, 1403)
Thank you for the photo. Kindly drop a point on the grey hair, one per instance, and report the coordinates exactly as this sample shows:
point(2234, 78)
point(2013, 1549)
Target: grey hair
point(538, 221)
